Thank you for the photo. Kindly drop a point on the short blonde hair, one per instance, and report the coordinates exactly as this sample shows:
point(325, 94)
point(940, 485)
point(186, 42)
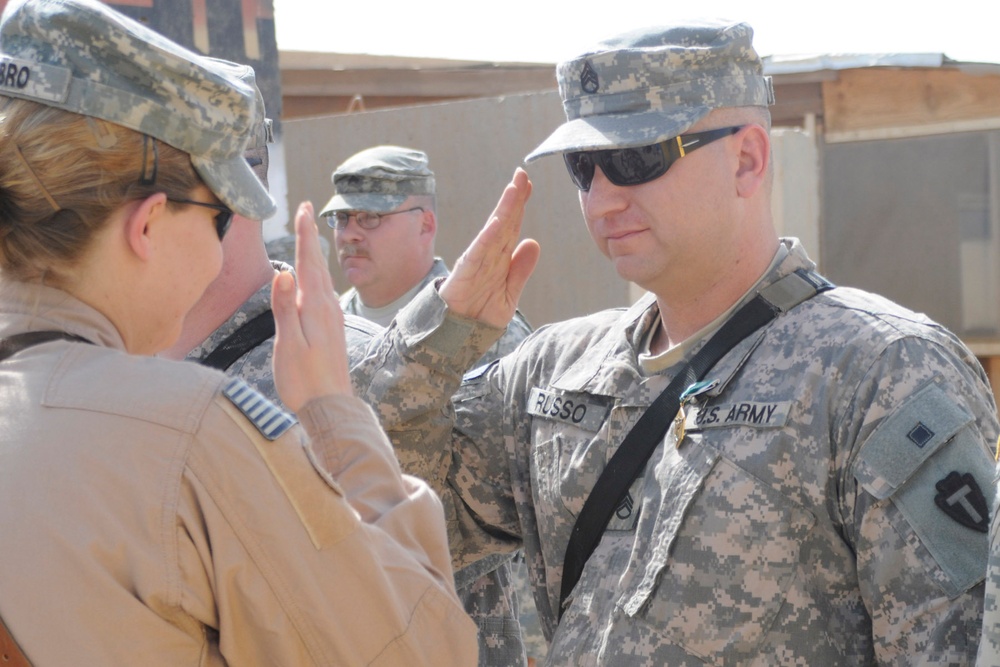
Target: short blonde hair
point(63, 174)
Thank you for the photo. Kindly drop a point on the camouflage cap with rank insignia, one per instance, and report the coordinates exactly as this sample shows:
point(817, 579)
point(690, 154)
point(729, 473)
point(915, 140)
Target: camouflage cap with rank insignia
point(379, 179)
point(83, 57)
point(650, 85)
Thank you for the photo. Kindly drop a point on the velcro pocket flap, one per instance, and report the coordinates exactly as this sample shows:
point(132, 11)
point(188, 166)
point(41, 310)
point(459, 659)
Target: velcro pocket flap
point(907, 438)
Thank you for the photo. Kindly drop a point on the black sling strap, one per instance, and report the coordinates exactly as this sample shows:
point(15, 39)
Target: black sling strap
point(13, 344)
point(251, 334)
point(648, 432)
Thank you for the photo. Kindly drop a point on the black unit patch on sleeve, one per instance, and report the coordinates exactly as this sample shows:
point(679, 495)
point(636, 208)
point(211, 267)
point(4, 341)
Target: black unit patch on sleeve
point(960, 497)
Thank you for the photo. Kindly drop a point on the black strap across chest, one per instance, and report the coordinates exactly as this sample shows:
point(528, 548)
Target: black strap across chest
point(639, 444)
point(13, 344)
point(252, 333)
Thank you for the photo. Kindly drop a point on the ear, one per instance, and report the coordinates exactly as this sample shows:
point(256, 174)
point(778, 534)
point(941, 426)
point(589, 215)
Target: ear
point(754, 160)
point(140, 223)
point(428, 223)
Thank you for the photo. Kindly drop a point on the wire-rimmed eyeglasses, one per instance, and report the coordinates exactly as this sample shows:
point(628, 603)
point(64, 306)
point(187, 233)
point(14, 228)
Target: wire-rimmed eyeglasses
point(340, 219)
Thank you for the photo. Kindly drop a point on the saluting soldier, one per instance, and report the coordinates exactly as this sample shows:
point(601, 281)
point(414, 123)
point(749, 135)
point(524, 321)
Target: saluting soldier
point(156, 512)
point(812, 486)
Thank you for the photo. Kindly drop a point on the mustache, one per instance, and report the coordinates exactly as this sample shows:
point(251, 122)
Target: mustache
point(351, 250)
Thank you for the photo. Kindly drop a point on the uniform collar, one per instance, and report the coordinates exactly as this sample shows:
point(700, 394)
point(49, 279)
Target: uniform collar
point(36, 307)
point(611, 366)
point(351, 301)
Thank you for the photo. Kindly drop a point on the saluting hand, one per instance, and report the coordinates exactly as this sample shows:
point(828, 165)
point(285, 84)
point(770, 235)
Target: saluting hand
point(488, 278)
point(310, 354)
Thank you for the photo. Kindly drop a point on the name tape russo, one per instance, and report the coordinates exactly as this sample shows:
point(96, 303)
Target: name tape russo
point(571, 409)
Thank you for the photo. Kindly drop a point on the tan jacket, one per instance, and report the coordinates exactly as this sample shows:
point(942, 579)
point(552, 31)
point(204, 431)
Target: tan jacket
point(147, 521)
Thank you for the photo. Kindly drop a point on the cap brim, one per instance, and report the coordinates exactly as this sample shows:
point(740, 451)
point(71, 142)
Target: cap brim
point(232, 180)
point(618, 130)
point(363, 201)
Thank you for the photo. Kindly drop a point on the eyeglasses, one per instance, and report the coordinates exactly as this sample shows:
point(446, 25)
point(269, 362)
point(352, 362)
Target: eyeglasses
point(634, 166)
point(340, 219)
point(223, 219)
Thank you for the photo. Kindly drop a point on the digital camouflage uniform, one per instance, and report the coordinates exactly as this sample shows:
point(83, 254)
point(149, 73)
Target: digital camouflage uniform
point(380, 179)
point(488, 587)
point(255, 366)
point(989, 647)
point(810, 512)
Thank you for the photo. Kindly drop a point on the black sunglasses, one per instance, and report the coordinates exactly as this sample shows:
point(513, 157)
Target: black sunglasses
point(634, 166)
point(223, 219)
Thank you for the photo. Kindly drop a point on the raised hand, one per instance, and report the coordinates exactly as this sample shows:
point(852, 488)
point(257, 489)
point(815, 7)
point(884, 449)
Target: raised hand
point(488, 278)
point(310, 356)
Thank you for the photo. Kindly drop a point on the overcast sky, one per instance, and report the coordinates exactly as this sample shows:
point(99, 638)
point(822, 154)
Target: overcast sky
point(551, 30)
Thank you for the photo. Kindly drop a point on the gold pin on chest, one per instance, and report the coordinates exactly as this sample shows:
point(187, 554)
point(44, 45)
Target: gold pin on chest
point(689, 395)
point(678, 427)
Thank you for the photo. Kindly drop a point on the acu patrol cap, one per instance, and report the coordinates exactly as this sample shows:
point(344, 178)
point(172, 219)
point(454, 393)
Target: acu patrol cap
point(83, 57)
point(379, 179)
point(652, 84)
point(256, 153)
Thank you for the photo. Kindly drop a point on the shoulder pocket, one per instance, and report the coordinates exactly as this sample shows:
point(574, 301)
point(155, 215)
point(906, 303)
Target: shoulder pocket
point(928, 459)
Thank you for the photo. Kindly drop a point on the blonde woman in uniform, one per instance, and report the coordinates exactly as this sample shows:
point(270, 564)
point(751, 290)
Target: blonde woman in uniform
point(156, 512)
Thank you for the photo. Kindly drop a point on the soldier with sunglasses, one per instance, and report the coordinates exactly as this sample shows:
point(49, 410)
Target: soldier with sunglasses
point(813, 482)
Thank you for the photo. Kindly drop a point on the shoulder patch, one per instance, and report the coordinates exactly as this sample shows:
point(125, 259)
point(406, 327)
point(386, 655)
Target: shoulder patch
point(269, 419)
point(960, 497)
point(907, 438)
point(931, 461)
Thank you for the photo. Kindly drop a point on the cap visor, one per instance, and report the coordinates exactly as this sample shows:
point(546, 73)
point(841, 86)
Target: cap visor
point(618, 131)
point(363, 201)
point(232, 180)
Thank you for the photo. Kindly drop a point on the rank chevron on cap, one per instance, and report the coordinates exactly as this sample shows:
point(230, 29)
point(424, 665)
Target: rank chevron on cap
point(269, 419)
